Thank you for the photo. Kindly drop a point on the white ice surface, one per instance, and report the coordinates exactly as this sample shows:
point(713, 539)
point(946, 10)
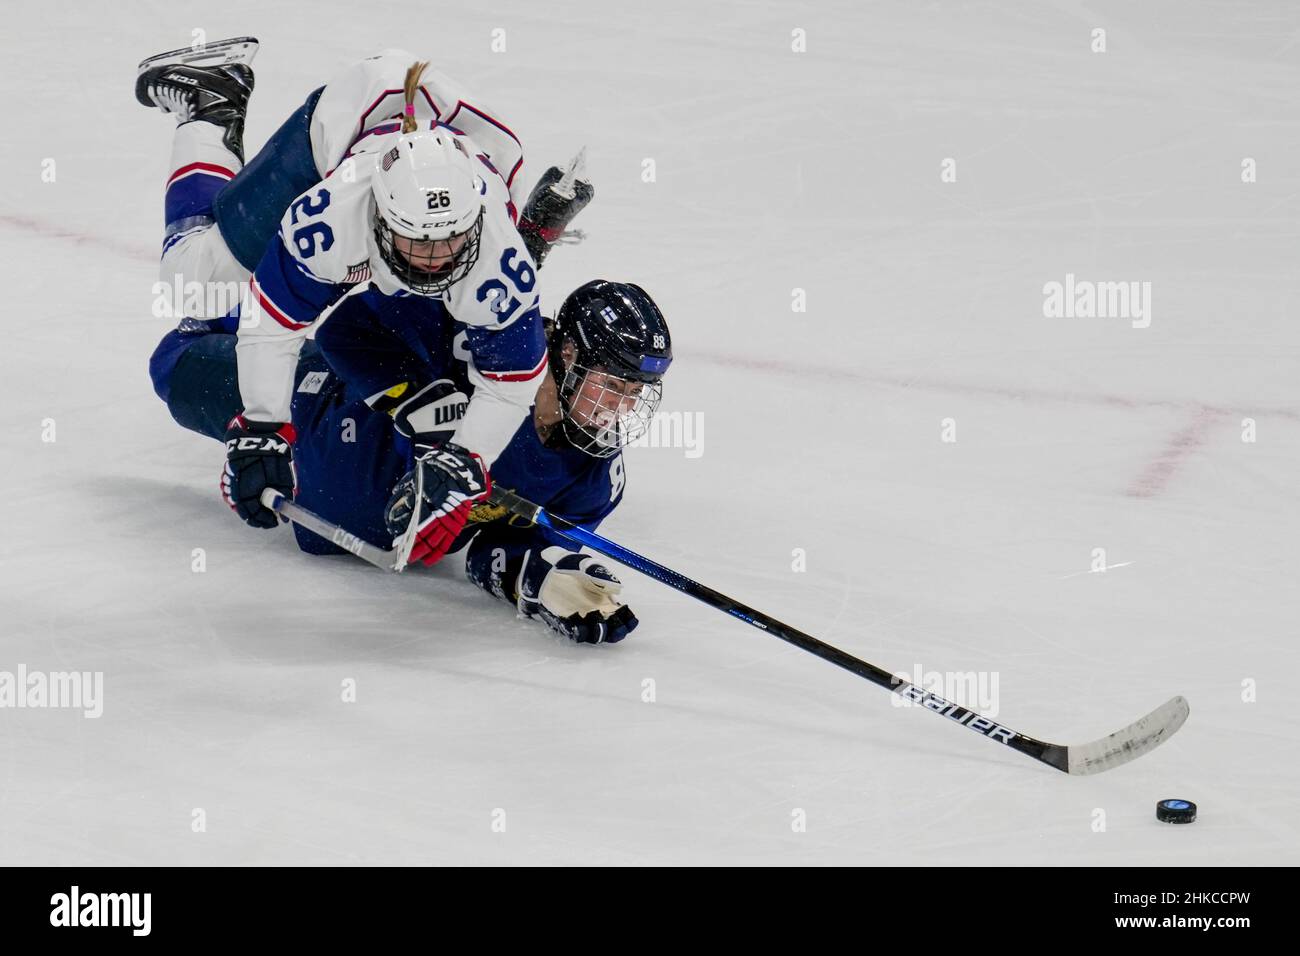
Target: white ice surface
point(775, 170)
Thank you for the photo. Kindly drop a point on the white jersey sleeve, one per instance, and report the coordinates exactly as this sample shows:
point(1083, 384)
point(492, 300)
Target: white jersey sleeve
point(321, 252)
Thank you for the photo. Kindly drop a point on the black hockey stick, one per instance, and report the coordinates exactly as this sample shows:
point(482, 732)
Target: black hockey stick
point(1144, 734)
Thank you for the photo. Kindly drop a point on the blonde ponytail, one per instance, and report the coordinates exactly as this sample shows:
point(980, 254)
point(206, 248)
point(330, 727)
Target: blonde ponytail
point(412, 84)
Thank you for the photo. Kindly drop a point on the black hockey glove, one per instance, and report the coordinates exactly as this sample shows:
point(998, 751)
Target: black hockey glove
point(259, 455)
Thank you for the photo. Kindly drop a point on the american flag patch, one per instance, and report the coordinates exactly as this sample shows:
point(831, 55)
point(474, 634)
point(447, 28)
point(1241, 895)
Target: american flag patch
point(390, 157)
point(357, 273)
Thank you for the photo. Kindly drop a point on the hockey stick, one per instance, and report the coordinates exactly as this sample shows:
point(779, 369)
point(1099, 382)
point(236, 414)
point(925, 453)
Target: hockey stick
point(395, 558)
point(382, 558)
point(1144, 734)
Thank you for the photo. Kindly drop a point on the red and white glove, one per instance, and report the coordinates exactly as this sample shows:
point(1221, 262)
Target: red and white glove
point(432, 502)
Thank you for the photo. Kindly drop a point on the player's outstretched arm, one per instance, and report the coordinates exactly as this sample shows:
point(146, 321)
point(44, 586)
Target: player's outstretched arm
point(573, 594)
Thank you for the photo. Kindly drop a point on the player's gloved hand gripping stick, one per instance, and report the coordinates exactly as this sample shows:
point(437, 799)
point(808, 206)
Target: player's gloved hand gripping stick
point(575, 595)
point(431, 504)
point(259, 457)
point(1143, 735)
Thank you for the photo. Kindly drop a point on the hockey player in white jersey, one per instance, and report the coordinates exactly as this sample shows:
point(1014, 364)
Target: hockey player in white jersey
point(220, 214)
point(208, 93)
point(420, 217)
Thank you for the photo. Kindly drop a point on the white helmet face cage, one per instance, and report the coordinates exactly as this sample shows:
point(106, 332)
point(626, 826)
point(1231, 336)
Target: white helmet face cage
point(602, 412)
point(415, 271)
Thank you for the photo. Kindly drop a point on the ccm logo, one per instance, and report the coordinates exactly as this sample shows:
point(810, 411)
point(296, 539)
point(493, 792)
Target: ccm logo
point(268, 443)
point(347, 541)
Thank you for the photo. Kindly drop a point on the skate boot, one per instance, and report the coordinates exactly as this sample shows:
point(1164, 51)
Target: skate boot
point(211, 85)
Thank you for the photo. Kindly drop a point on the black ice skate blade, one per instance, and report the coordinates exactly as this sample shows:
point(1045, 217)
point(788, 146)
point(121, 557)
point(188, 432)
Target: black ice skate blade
point(217, 53)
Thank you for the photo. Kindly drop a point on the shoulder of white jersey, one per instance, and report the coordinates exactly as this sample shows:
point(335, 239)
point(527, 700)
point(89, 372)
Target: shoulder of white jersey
point(364, 94)
point(369, 93)
point(326, 230)
point(372, 142)
point(496, 184)
point(495, 139)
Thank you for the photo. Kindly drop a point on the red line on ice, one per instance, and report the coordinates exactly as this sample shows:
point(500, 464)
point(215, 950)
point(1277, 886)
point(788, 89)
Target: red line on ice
point(831, 373)
point(779, 367)
point(51, 231)
point(1181, 446)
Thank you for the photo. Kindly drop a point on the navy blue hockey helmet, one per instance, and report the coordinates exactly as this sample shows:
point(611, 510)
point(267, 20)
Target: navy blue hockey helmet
point(610, 348)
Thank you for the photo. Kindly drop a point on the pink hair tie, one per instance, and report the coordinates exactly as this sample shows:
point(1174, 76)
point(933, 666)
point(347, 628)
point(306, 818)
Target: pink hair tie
point(410, 109)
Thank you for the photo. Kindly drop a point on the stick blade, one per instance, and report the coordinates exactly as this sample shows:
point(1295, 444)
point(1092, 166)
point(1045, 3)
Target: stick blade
point(1144, 734)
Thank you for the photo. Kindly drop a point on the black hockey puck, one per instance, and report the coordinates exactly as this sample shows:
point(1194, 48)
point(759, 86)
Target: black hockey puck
point(1175, 811)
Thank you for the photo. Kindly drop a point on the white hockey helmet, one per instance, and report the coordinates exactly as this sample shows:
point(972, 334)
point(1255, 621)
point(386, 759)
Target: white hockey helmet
point(428, 210)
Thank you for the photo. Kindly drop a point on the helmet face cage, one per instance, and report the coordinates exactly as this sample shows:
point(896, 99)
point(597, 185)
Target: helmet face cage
point(419, 280)
point(603, 412)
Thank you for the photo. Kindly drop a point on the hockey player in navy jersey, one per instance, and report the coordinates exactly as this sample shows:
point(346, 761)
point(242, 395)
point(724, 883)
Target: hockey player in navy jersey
point(609, 347)
point(350, 453)
point(422, 221)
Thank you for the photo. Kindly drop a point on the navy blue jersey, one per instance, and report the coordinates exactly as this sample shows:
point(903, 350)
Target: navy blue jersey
point(375, 341)
point(348, 456)
point(564, 480)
